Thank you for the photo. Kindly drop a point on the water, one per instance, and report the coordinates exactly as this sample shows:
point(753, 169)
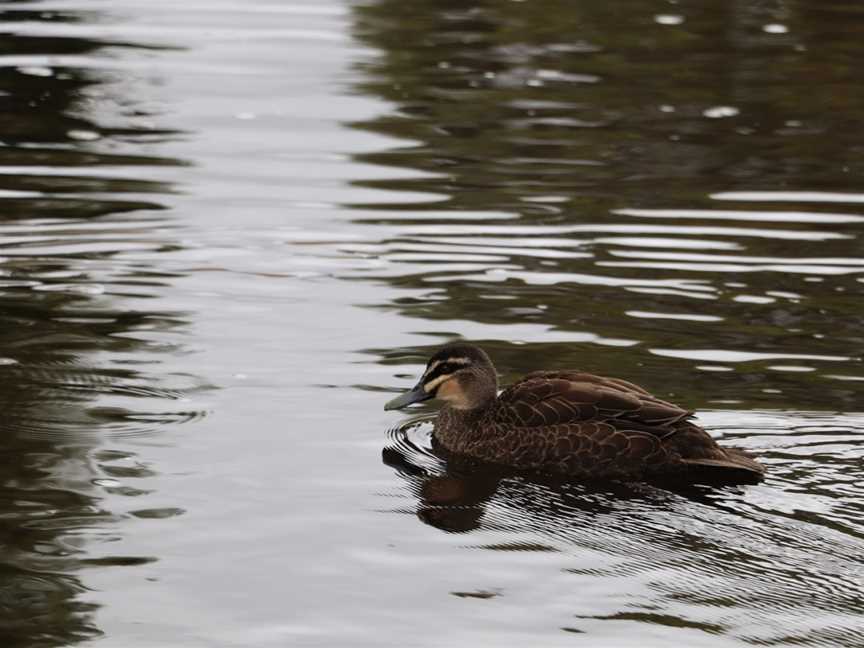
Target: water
point(231, 230)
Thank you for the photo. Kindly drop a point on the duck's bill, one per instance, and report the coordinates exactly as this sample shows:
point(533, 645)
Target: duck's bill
point(416, 395)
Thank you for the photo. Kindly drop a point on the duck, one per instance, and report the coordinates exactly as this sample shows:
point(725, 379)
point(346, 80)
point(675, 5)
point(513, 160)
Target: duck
point(567, 422)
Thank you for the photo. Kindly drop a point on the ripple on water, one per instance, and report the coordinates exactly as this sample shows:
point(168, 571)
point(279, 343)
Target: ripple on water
point(127, 405)
point(823, 218)
point(744, 561)
point(790, 196)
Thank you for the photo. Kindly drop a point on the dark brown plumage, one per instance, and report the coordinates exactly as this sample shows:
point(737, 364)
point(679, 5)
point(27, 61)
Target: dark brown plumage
point(567, 422)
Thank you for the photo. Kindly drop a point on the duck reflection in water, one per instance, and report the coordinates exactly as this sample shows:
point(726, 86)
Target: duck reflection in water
point(568, 423)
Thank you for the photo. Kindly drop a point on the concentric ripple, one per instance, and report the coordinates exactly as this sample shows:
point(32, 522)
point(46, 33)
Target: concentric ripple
point(792, 543)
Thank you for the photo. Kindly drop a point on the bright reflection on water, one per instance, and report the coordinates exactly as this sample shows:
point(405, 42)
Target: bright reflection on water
point(230, 229)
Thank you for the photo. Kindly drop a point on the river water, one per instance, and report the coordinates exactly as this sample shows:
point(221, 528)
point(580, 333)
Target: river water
point(231, 230)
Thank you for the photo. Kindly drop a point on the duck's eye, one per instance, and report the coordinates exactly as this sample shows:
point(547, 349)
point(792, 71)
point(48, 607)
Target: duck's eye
point(445, 368)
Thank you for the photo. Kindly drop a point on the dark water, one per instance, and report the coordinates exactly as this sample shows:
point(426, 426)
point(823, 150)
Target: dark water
point(230, 230)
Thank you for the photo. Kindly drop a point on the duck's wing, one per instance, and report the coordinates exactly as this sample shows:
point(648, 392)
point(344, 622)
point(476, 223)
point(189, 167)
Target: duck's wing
point(565, 397)
point(579, 423)
point(590, 447)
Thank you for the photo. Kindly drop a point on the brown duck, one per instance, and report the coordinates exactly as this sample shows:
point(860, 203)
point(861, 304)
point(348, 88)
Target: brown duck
point(567, 422)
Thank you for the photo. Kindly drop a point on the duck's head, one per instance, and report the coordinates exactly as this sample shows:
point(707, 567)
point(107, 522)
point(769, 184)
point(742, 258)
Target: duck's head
point(462, 375)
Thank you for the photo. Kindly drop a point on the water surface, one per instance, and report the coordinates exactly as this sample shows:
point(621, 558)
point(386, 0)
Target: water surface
point(231, 230)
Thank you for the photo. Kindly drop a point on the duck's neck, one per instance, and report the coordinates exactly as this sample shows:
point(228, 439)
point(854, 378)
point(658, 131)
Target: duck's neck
point(458, 429)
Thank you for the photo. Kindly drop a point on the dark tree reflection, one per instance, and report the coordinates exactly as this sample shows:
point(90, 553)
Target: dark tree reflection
point(562, 140)
point(71, 365)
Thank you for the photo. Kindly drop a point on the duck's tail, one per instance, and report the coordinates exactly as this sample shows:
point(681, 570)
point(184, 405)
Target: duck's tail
point(730, 462)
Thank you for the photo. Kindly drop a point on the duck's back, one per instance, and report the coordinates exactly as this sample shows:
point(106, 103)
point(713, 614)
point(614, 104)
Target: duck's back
point(584, 425)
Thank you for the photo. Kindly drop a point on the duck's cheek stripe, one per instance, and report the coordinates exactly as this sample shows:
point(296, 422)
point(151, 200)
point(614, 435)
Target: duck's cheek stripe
point(431, 386)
